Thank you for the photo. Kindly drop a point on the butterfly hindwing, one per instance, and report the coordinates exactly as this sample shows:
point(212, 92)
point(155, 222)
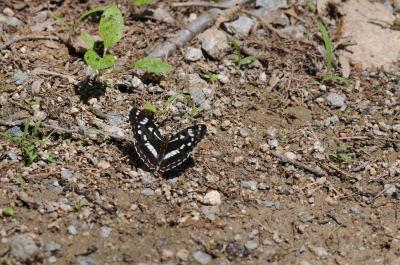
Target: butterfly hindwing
point(147, 137)
point(181, 145)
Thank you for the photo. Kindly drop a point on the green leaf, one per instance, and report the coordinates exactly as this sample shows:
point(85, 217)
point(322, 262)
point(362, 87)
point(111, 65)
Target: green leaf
point(249, 58)
point(89, 40)
point(153, 65)
point(334, 155)
point(36, 128)
point(171, 98)
point(111, 26)
point(26, 128)
point(338, 78)
point(141, 2)
point(187, 117)
point(162, 112)
point(99, 131)
point(151, 108)
point(96, 62)
point(328, 46)
point(62, 22)
point(88, 13)
point(342, 147)
point(346, 158)
point(197, 110)
point(9, 211)
point(236, 48)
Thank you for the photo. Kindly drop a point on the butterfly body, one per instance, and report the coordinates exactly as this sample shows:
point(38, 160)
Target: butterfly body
point(159, 152)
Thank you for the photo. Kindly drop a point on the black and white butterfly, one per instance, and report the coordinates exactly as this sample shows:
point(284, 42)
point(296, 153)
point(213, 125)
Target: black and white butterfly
point(159, 152)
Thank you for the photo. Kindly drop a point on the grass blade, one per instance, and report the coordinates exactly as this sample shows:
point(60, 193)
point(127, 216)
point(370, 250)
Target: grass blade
point(328, 46)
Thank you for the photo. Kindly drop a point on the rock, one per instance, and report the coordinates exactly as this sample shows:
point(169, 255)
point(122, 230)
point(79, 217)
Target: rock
point(147, 192)
point(10, 21)
point(336, 100)
point(212, 198)
point(72, 230)
point(82, 260)
point(114, 118)
point(201, 257)
point(250, 245)
point(23, 248)
point(104, 231)
point(318, 251)
point(103, 165)
point(250, 184)
point(15, 131)
point(52, 246)
point(241, 26)
point(183, 254)
point(214, 42)
point(270, 4)
point(296, 31)
point(193, 54)
point(12, 155)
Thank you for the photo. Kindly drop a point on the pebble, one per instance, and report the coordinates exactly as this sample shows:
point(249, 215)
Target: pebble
point(290, 155)
point(262, 79)
point(66, 174)
point(23, 248)
point(213, 42)
point(72, 230)
point(15, 131)
point(390, 189)
point(318, 251)
point(272, 132)
point(357, 212)
point(10, 21)
point(268, 204)
point(103, 165)
point(250, 184)
point(226, 124)
point(52, 246)
point(12, 155)
point(183, 254)
point(193, 54)
point(136, 82)
point(105, 231)
point(240, 26)
point(201, 257)
point(166, 254)
point(273, 143)
point(243, 132)
point(277, 205)
point(335, 100)
point(83, 260)
point(250, 245)
point(212, 198)
point(270, 5)
point(114, 118)
point(147, 192)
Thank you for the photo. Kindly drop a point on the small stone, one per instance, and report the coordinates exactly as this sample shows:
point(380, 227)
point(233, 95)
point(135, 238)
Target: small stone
point(277, 205)
point(105, 231)
point(72, 230)
point(92, 101)
point(269, 204)
point(103, 165)
point(83, 260)
point(8, 12)
point(290, 155)
point(250, 245)
point(318, 251)
point(273, 143)
point(12, 155)
point(238, 159)
point(52, 246)
point(201, 257)
point(167, 254)
point(250, 184)
point(372, 171)
point(335, 100)
point(223, 79)
point(74, 110)
point(226, 124)
point(136, 82)
point(390, 189)
point(264, 147)
point(183, 254)
point(272, 132)
point(212, 198)
point(147, 192)
point(15, 131)
point(23, 248)
point(193, 54)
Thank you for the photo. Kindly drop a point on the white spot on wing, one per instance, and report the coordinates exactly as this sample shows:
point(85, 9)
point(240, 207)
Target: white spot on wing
point(189, 144)
point(151, 129)
point(144, 137)
point(182, 136)
point(151, 149)
point(144, 121)
point(139, 132)
point(172, 153)
point(183, 146)
point(190, 132)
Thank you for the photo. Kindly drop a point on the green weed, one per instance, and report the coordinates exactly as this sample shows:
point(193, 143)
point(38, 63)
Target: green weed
point(76, 207)
point(30, 147)
point(339, 154)
point(329, 57)
point(85, 142)
point(9, 211)
point(212, 78)
point(239, 56)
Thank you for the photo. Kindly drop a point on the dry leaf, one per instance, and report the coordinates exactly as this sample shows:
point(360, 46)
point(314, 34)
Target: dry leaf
point(227, 15)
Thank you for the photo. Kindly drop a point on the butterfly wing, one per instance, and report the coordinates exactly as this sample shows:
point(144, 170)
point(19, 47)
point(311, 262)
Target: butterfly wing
point(181, 145)
point(147, 138)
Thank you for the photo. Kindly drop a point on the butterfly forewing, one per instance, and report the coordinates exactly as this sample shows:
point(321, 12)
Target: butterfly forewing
point(147, 138)
point(155, 150)
point(181, 145)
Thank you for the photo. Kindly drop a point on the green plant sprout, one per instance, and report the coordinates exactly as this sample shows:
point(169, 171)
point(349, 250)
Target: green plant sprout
point(23, 186)
point(329, 53)
point(76, 207)
point(282, 100)
point(28, 146)
point(335, 229)
point(170, 99)
point(72, 29)
point(6, 259)
point(9, 211)
point(342, 155)
point(239, 55)
point(110, 30)
point(212, 78)
point(85, 142)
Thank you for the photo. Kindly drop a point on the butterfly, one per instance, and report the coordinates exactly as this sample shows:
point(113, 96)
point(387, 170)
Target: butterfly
point(161, 153)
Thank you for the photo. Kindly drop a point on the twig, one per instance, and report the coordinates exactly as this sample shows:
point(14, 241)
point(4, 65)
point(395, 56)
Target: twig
point(316, 171)
point(383, 139)
point(8, 43)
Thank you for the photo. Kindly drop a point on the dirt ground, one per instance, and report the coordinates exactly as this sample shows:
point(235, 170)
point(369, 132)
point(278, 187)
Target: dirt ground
point(270, 183)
